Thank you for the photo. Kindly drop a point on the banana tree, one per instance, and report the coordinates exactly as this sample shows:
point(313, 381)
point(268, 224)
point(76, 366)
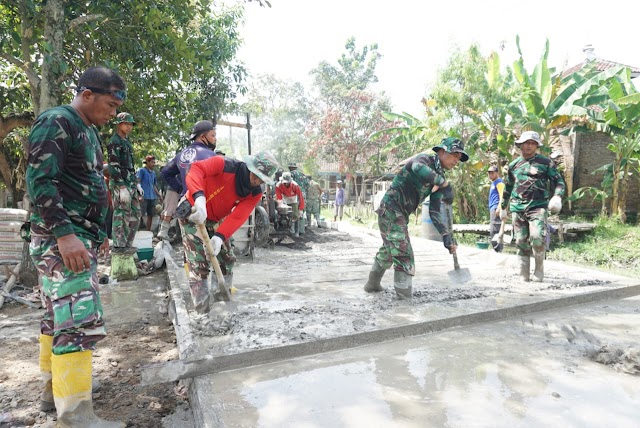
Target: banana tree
point(553, 105)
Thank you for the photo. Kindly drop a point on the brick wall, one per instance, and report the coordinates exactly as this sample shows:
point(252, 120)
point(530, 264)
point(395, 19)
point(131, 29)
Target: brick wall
point(590, 152)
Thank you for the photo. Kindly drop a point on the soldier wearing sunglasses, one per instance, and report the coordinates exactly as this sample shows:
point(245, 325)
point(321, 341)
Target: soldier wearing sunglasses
point(66, 184)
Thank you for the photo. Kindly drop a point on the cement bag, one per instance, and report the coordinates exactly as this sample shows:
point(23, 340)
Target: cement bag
point(13, 214)
point(158, 255)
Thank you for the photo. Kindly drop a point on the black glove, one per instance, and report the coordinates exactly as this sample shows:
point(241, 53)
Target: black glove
point(447, 194)
point(447, 241)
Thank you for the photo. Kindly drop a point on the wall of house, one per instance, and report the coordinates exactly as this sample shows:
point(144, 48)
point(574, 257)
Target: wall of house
point(590, 151)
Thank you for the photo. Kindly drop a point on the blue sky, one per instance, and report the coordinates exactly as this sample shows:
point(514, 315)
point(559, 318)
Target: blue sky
point(415, 36)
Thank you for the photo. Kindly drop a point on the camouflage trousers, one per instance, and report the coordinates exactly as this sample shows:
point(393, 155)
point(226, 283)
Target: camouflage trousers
point(396, 247)
point(126, 217)
point(530, 231)
point(73, 310)
point(196, 255)
point(313, 208)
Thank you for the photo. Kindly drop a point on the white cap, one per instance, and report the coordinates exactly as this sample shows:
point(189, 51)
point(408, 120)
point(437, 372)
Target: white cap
point(529, 135)
point(339, 181)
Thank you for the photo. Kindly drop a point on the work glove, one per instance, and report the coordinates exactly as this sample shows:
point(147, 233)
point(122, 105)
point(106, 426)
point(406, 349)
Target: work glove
point(503, 214)
point(555, 204)
point(124, 196)
point(140, 189)
point(199, 211)
point(216, 244)
point(447, 194)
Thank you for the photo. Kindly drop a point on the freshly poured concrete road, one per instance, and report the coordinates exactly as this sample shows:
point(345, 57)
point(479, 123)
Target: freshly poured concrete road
point(506, 373)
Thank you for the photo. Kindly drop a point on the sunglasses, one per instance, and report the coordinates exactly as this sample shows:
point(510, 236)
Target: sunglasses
point(118, 94)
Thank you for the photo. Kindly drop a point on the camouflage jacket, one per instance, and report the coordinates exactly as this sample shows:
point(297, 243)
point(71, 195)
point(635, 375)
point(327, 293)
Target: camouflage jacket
point(65, 176)
point(530, 183)
point(412, 185)
point(121, 167)
point(302, 181)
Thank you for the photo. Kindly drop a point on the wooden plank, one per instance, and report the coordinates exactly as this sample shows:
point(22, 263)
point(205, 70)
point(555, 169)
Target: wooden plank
point(233, 124)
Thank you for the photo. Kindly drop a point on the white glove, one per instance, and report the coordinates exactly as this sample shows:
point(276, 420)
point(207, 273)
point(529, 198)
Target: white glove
point(555, 204)
point(216, 243)
point(199, 209)
point(124, 196)
point(503, 214)
point(140, 189)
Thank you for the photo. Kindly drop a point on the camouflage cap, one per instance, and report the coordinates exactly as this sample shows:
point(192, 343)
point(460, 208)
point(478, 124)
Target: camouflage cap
point(124, 118)
point(493, 168)
point(293, 165)
point(286, 177)
point(201, 127)
point(452, 145)
point(262, 164)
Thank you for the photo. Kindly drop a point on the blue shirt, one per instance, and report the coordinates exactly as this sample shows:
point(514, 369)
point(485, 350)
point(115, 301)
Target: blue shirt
point(340, 196)
point(148, 182)
point(494, 196)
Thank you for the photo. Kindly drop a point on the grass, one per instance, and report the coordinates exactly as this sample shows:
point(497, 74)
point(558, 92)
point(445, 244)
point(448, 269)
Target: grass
point(611, 246)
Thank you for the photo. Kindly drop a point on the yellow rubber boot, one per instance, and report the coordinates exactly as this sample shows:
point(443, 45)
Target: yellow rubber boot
point(46, 397)
point(72, 392)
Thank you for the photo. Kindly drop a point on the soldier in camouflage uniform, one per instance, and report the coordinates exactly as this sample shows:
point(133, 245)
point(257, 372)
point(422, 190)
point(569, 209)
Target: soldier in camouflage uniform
point(530, 180)
point(301, 179)
point(423, 176)
point(66, 184)
point(225, 191)
point(123, 184)
point(314, 194)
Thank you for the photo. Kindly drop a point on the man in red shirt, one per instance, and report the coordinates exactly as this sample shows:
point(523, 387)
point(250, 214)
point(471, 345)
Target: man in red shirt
point(289, 192)
point(223, 193)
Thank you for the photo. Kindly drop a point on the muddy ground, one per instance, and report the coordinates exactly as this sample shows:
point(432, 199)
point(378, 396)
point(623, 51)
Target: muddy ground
point(301, 289)
point(146, 336)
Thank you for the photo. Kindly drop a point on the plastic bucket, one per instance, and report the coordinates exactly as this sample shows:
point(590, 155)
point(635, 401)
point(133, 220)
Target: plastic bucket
point(145, 254)
point(143, 239)
point(429, 231)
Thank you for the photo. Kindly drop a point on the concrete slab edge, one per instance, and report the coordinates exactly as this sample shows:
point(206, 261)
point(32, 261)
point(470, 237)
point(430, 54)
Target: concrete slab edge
point(187, 345)
point(213, 364)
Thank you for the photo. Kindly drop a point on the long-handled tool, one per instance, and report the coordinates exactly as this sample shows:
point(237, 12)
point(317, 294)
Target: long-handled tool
point(214, 262)
point(498, 239)
point(457, 274)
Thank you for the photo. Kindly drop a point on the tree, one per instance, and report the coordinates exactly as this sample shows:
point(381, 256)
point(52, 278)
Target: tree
point(177, 58)
point(348, 113)
point(280, 112)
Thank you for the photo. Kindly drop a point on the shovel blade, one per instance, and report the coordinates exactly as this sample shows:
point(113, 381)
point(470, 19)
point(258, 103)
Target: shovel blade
point(460, 275)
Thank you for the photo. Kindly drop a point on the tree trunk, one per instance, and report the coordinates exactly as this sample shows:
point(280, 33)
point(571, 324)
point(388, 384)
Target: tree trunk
point(50, 96)
point(55, 29)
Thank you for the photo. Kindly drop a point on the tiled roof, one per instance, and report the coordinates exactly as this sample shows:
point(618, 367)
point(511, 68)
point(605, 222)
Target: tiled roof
point(600, 65)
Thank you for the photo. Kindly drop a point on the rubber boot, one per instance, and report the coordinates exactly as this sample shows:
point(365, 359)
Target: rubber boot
point(296, 228)
point(538, 272)
point(164, 230)
point(402, 284)
point(375, 276)
point(72, 392)
point(524, 267)
point(46, 397)
point(301, 225)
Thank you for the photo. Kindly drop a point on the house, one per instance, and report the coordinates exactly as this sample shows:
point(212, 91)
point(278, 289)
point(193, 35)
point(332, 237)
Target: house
point(581, 154)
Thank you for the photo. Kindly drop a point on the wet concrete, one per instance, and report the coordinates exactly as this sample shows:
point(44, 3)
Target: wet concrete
point(299, 296)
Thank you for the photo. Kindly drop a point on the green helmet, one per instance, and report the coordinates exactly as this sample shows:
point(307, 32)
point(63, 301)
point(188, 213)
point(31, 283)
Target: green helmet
point(124, 118)
point(262, 164)
point(452, 145)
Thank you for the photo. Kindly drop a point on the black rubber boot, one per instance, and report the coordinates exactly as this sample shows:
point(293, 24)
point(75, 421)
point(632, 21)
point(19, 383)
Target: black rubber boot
point(402, 283)
point(375, 276)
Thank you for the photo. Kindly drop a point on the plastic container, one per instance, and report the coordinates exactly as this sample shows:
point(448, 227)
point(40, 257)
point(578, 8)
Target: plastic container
point(145, 254)
point(483, 245)
point(143, 239)
point(429, 231)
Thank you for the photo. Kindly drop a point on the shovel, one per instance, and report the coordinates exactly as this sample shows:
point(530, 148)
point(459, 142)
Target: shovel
point(222, 288)
point(498, 239)
point(457, 274)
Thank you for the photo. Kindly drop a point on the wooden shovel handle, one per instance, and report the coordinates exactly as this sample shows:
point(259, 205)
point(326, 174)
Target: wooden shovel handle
point(212, 258)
